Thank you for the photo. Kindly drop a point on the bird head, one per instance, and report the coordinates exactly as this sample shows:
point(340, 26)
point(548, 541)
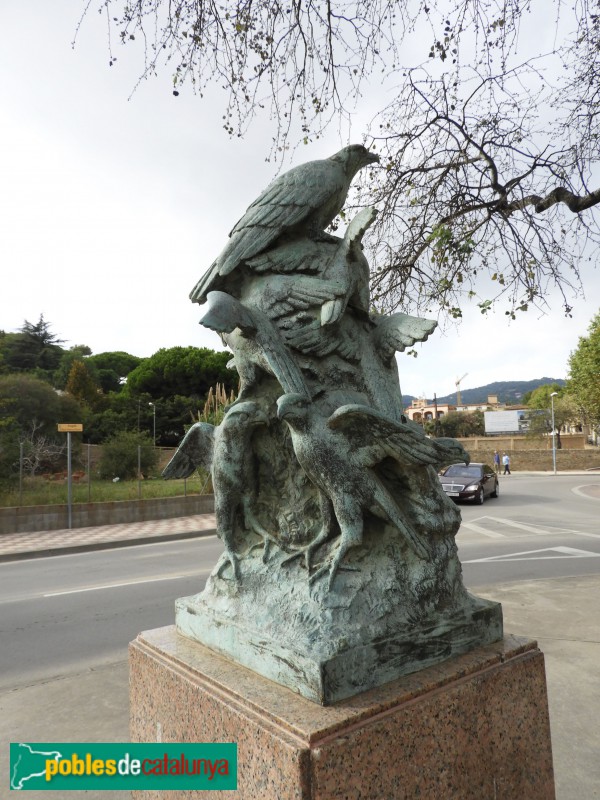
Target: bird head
point(293, 407)
point(355, 157)
point(246, 413)
point(223, 314)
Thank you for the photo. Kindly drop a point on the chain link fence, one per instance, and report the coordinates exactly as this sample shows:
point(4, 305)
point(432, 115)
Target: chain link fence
point(43, 477)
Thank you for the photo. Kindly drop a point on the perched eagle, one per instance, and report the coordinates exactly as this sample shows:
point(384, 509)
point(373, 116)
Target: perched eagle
point(339, 455)
point(303, 201)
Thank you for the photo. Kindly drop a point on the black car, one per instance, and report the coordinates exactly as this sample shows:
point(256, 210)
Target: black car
point(473, 482)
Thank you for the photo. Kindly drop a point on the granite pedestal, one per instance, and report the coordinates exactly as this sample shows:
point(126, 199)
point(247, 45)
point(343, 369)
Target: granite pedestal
point(473, 727)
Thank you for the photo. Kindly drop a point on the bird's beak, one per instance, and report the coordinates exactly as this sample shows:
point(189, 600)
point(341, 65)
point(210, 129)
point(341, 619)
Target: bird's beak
point(373, 158)
point(260, 418)
point(216, 325)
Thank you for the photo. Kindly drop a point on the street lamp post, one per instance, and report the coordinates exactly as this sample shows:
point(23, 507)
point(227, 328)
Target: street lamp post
point(552, 396)
point(153, 423)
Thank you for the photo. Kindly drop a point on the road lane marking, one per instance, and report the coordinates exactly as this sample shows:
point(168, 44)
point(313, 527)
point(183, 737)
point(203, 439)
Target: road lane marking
point(111, 549)
point(532, 555)
point(478, 529)
point(581, 533)
point(577, 490)
point(155, 579)
point(520, 525)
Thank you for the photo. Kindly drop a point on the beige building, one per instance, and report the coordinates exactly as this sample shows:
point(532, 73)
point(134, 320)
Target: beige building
point(421, 410)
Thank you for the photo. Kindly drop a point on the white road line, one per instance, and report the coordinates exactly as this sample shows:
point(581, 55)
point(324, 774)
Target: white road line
point(577, 490)
point(194, 540)
point(478, 529)
point(564, 552)
point(538, 530)
point(520, 525)
point(130, 583)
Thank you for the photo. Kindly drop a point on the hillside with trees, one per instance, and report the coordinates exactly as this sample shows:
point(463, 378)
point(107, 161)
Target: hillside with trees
point(113, 394)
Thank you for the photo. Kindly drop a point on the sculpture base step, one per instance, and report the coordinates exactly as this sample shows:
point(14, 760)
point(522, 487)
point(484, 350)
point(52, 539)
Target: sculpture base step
point(326, 677)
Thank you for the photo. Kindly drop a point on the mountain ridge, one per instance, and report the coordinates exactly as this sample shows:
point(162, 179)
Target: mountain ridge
point(510, 392)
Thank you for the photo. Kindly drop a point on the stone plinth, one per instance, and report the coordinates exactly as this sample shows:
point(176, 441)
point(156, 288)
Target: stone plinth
point(473, 727)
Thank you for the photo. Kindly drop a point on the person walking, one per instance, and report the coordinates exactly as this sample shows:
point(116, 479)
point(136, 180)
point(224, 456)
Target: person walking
point(497, 462)
point(506, 463)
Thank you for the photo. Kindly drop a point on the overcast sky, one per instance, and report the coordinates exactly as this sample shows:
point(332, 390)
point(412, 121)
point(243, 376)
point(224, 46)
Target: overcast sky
point(113, 207)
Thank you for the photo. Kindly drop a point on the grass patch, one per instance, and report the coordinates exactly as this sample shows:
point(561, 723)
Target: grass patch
point(40, 492)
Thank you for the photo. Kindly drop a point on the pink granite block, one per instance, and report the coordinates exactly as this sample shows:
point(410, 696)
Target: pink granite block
point(473, 727)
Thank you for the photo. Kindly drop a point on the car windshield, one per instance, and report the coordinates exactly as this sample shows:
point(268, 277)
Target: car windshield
point(464, 472)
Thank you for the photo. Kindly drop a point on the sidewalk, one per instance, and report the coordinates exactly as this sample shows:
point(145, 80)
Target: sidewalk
point(14, 546)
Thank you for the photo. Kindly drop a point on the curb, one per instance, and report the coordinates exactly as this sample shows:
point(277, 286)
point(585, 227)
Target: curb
point(27, 555)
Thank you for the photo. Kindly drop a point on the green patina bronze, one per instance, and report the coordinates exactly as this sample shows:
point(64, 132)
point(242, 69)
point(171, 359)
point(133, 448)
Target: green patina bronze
point(340, 569)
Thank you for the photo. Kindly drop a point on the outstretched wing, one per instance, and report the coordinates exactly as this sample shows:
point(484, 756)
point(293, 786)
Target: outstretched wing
point(195, 450)
point(395, 333)
point(374, 436)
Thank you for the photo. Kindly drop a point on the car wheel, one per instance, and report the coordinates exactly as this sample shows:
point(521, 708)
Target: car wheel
point(496, 490)
point(480, 497)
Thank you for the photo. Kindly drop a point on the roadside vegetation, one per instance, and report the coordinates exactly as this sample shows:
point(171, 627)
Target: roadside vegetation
point(129, 407)
point(40, 491)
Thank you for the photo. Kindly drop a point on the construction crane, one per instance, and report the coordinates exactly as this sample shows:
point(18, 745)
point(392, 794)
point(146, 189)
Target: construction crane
point(457, 383)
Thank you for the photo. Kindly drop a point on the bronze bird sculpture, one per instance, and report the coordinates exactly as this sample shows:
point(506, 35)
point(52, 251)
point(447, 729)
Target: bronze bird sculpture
point(339, 455)
point(255, 341)
point(299, 203)
point(226, 452)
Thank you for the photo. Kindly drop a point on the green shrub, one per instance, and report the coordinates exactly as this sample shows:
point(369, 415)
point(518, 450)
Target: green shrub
point(120, 456)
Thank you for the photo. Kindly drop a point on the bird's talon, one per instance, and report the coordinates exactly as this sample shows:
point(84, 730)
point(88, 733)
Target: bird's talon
point(266, 551)
point(233, 562)
point(287, 560)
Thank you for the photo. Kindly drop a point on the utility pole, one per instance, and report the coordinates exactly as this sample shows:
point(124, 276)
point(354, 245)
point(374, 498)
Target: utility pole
point(552, 396)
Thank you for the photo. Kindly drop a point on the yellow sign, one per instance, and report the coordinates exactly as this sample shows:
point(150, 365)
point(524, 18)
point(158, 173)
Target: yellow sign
point(70, 427)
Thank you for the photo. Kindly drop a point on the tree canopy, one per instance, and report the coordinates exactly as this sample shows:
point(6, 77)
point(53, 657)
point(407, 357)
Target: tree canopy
point(33, 348)
point(584, 374)
point(541, 400)
point(488, 133)
point(188, 371)
point(27, 401)
point(112, 368)
point(457, 424)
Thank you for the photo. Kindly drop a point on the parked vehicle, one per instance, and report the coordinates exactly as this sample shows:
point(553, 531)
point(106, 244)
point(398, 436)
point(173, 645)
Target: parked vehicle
point(473, 482)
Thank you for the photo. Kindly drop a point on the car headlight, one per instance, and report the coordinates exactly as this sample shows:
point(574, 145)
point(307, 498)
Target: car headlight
point(472, 488)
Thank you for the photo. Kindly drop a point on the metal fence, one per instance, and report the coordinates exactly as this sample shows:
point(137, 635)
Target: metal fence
point(73, 476)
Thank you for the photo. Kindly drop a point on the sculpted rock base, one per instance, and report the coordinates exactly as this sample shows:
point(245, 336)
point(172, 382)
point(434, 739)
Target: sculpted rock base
point(393, 615)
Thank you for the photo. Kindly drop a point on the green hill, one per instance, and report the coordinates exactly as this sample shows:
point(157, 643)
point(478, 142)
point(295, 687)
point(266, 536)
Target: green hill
point(510, 392)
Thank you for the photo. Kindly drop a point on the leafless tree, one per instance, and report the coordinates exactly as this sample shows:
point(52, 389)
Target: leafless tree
point(39, 451)
point(489, 145)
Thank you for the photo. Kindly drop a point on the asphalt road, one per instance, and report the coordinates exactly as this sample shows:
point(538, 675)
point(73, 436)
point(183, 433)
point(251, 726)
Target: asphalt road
point(62, 614)
point(65, 621)
point(539, 527)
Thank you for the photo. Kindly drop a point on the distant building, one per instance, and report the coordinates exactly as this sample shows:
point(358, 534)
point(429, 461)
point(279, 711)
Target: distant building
point(421, 410)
